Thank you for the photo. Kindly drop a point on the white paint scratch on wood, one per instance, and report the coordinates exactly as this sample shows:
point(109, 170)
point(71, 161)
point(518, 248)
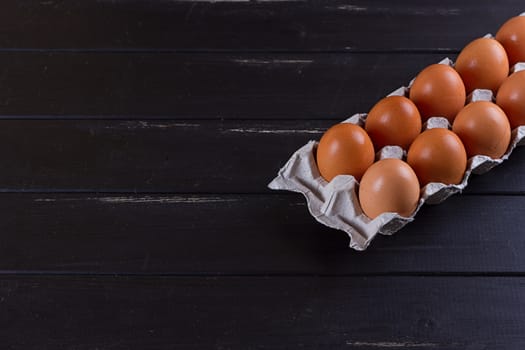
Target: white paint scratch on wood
point(392, 344)
point(409, 11)
point(163, 199)
point(276, 131)
point(259, 62)
point(153, 125)
point(352, 8)
point(169, 125)
point(145, 199)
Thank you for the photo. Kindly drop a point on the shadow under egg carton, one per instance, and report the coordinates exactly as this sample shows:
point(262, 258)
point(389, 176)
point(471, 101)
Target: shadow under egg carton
point(336, 204)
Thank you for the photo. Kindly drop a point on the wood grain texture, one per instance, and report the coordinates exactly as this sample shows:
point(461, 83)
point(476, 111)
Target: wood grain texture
point(262, 313)
point(181, 156)
point(200, 86)
point(340, 25)
point(136, 141)
point(248, 234)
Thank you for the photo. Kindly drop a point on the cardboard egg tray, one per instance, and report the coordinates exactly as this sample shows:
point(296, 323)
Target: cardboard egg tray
point(335, 204)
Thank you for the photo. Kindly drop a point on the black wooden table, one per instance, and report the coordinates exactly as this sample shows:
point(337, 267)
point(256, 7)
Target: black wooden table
point(136, 142)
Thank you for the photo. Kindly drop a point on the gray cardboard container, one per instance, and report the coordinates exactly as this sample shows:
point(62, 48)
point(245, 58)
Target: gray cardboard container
point(335, 203)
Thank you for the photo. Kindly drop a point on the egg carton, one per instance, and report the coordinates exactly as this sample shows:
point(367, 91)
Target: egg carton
point(335, 203)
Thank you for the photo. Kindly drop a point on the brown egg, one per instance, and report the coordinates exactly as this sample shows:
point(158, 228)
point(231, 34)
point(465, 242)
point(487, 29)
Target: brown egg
point(438, 91)
point(344, 149)
point(511, 98)
point(389, 186)
point(483, 64)
point(393, 121)
point(512, 36)
point(437, 155)
point(483, 128)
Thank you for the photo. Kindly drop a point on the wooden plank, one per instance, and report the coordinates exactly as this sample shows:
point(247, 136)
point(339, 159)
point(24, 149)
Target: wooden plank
point(181, 156)
point(199, 86)
point(250, 25)
point(255, 313)
point(247, 234)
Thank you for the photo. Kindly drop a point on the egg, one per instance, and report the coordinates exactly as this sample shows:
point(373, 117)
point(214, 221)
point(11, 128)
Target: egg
point(438, 91)
point(483, 128)
point(483, 64)
point(512, 36)
point(438, 155)
point(344, 149)
point(389, 185)
point(393, 121)
point(511, 98)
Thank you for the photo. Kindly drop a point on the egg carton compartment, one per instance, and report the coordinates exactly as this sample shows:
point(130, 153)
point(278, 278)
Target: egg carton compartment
point(336, 204)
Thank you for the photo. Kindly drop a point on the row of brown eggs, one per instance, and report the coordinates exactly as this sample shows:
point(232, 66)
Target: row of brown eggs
point(437, 154)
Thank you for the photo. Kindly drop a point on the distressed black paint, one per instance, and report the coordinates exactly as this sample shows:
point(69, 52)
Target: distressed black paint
point(136, 142)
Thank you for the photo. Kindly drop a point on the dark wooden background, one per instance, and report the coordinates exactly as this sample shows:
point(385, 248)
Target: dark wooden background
point(136, 142)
